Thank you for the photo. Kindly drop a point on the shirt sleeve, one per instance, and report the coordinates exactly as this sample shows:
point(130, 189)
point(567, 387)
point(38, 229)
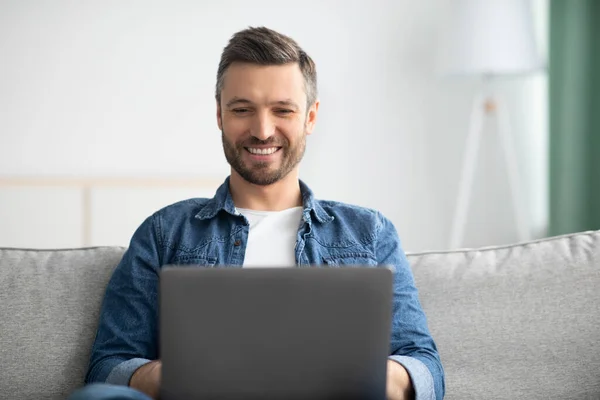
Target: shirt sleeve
point(127, 335)
point(411, 343)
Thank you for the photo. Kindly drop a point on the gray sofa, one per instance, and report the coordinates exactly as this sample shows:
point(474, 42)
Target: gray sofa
point(511, 322)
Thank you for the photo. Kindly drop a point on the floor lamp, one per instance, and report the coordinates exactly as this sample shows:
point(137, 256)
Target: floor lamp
point(489, 39)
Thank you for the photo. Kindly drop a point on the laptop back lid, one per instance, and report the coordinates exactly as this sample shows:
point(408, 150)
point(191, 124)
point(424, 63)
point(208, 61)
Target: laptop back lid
point(274, 333)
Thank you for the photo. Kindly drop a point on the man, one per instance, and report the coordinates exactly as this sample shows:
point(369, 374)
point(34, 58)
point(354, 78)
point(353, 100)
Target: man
point(262, 215)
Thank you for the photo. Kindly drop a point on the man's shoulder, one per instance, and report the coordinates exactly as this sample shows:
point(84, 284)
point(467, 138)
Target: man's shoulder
point(333, 207)
point(352, 214)
point(350, 224)
point(183, 208)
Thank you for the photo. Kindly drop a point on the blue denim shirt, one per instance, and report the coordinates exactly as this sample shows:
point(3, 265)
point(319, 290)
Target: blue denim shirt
point(211, 232)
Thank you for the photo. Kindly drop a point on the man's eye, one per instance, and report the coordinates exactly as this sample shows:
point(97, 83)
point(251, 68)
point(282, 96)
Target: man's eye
point(240, 110)
point(284, 111)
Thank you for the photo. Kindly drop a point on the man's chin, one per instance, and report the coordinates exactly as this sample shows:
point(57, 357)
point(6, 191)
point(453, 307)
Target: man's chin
point(264, 180)
point(261, 179)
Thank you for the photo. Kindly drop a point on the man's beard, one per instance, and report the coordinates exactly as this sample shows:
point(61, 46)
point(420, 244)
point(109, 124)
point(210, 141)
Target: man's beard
point(261, 173)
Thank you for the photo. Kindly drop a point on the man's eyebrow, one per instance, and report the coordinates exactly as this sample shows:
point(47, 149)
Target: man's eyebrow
point(287, 103)
point(237, 100)
point(241, 101)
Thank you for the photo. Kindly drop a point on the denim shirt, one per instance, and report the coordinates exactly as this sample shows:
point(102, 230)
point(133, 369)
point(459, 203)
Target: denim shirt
point(210, 232)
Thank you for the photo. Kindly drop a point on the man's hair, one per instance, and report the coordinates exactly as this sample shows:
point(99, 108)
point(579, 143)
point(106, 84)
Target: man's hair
point(264, 46)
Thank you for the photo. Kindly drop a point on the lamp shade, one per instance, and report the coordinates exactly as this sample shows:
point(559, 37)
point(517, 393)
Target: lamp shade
point(489, 37)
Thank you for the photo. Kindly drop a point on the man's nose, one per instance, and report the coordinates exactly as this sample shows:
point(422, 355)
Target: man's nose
point(263, 127)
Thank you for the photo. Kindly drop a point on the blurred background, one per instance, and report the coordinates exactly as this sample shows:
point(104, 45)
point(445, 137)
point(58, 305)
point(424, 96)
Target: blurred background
point(107, 113)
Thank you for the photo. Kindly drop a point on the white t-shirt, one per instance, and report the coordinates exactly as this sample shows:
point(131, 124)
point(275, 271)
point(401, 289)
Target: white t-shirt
point(272, 237)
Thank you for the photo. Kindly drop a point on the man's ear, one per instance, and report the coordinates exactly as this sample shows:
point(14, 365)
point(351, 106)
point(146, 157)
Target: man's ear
point(311, 117)
point(219, 120)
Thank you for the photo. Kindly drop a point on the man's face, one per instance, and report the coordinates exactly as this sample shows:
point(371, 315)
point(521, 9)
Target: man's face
point(264, 120)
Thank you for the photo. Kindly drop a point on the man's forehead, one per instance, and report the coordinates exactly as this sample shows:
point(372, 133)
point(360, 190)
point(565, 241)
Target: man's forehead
point(247, 67)
point(263, 84)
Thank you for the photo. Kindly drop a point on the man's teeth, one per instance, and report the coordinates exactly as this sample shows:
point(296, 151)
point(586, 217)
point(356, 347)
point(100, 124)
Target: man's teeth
point(262, 151)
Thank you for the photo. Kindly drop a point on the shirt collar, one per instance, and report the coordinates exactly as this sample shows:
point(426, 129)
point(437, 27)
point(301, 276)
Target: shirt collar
point(222, 201)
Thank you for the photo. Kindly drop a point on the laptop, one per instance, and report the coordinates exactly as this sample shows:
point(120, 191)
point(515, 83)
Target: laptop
point(274, 333)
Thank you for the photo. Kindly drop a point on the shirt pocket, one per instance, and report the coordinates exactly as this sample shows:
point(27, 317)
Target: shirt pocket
point(350, 259)
point(191, 260)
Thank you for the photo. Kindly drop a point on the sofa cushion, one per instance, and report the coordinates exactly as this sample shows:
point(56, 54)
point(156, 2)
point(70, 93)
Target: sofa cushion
point(516, 322)
point(49, 306)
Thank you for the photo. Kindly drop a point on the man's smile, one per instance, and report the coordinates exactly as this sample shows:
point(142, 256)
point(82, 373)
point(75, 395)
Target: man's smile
point(262, 151)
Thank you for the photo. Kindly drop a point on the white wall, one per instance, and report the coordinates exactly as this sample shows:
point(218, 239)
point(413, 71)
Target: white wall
point(126, 88)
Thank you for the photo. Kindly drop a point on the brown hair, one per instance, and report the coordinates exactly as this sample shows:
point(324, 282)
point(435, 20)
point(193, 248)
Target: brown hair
point(264, 46)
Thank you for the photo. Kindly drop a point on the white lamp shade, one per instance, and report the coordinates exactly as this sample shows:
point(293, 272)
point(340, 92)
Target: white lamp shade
point(489, 37)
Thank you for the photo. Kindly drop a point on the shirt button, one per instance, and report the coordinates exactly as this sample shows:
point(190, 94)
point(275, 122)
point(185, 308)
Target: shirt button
point(237, 242)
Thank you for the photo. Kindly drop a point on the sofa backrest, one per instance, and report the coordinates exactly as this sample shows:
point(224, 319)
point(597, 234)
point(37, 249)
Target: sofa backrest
point(516, 322)
point(49, 306)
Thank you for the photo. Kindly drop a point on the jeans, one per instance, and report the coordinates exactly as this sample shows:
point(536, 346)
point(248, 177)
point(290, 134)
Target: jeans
point(104, 391)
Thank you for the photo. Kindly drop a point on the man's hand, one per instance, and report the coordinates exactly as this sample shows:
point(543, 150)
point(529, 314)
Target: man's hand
point(399, 385)
point(146, 379)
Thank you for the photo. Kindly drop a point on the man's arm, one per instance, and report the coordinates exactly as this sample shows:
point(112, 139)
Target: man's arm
point(128, 326)
point(411, 343)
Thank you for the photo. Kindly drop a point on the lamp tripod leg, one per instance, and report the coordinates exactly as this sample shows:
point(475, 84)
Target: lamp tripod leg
point(510, 158)
point(468, 172)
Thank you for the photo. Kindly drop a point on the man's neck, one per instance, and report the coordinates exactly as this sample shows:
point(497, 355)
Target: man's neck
point(278, 196)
